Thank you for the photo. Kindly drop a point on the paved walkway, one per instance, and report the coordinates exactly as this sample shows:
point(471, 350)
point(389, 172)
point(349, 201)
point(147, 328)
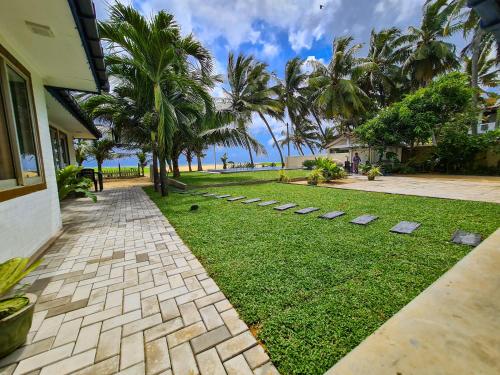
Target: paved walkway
point(471, 188)
point(120, 293)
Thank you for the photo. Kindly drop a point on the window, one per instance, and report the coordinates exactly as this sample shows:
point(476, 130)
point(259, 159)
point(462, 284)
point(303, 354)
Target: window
point(21, 169)
point(60, 150)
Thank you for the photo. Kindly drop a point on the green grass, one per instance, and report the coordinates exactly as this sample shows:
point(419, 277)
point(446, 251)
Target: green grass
point(203, 178)
point(314, 289)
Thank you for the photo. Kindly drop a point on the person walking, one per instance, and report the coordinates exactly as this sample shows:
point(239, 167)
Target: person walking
point(355, 163)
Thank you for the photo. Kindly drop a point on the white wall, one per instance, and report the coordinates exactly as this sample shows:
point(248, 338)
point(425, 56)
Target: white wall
point(29, 221)
point(296, 161)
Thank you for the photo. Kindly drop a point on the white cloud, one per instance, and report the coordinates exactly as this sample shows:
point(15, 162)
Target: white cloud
point(237, 21)
point(270, 50)
point(402, 10)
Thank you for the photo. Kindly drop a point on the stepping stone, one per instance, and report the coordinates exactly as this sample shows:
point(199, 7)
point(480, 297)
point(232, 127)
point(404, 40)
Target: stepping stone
point(209, 195)
point(464, 238)
point(332, 215)
point(222, 196)
point(306, 210)
point(405, 227)
point(363, 219)
point(285, 207)
point(251, 200)
point(236, 198)
point(267, 203)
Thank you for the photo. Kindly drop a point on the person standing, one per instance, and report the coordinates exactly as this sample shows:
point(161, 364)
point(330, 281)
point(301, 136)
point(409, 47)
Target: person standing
point(355, 163)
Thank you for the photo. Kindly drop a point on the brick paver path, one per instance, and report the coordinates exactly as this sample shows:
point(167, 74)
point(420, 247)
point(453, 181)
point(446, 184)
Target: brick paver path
point(119, 292)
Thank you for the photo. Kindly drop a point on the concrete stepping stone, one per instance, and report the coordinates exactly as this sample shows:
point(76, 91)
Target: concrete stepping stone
point(209, 195)
point(405, 227)
point(306, 210)
point(222, 196)
point(267, 203)
point(251, 200)
point(236, 198)
point(363, 219)
point(465, 238)
point(332, 215)
point(284, 207)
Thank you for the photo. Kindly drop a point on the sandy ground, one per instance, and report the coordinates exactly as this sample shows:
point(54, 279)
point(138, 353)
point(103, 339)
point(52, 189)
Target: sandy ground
point(473, 188)
point(126, 182)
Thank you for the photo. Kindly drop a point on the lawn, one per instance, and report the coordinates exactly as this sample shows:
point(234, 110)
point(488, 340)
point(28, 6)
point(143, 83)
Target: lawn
point(314, 289)
point(203, 178)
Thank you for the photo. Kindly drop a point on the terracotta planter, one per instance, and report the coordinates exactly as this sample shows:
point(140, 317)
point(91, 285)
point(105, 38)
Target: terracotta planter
point(14, 328)
point(371, 178)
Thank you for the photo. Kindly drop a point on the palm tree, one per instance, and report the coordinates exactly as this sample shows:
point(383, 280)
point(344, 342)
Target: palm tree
point(379, 72)
point(245, 78)
point(427, 53)
point(155, 48)
point(337, 92)
point(293, 93)
point(486, 67)
point(81, 153)
point(101, 150)
point(142, 157)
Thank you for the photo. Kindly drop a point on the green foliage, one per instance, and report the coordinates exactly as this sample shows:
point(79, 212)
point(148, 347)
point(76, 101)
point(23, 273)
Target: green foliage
point(330, 169)
point(69, 182)
point(315, 177)
point(283, 176)
point(309, 164)
point(365, 168)
point(373, 172)
point(12, 305)
point(318, 288)
point(11, 272)
point(420, 115)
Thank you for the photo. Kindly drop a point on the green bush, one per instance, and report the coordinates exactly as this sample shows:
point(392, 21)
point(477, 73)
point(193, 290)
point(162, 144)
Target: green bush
point(68, 182)
point(309, 164)
point(330, 169)
point(315, 177)
point(373, 172)
point(365, 168)
point(283, 177)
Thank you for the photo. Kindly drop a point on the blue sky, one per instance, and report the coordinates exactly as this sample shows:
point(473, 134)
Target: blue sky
point(275, 31)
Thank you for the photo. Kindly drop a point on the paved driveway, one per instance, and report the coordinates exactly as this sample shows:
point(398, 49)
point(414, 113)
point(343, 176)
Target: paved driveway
point(119, 292)
point(472, 188)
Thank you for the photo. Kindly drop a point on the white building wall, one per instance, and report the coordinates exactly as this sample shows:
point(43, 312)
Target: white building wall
point(29, 221)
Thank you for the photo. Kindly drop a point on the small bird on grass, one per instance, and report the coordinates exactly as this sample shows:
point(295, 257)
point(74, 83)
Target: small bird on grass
point(194, 207)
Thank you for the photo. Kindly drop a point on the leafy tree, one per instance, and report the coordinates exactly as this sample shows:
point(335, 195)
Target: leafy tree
point(420, 116)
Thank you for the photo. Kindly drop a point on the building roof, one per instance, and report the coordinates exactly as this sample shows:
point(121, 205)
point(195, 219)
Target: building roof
point(83, 12)
point(489, 11)
point(65, 98)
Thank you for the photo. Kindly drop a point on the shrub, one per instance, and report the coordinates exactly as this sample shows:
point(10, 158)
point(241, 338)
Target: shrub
point(283, 177)
point(373, 172)
point(309, 164)
point(330, 169)
point(365, 168)
point(68, 182)
point(315, 177)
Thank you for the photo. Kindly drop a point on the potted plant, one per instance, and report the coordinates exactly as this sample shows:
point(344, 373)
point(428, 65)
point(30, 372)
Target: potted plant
point(16, 308)
point(373, 172)
point(68, 182)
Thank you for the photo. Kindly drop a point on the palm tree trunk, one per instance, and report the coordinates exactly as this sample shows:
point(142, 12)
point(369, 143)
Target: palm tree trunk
point(274, 138)
point(309, 146)
point(476, 52)
point(299, 147)
point(319, 125)
point(189, 158)
point(249, 151)
point(288, 139)
point(163, 176)
point(175, 166)
point(156, 177)
point(200, 166)
point(99, 166)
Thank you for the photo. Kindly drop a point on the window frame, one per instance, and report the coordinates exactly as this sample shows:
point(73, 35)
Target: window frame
point(24, 185)
point(60, 148)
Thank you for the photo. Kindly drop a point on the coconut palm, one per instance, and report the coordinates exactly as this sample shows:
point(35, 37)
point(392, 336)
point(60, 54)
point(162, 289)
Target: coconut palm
point(143, 159)
point(427, 51)
point(379, 72)
point(337, 92)
point(101, 150)
point(155, 48)
point(293, 94)
point(81, 153)
point(245, 79)
point(486, 68)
